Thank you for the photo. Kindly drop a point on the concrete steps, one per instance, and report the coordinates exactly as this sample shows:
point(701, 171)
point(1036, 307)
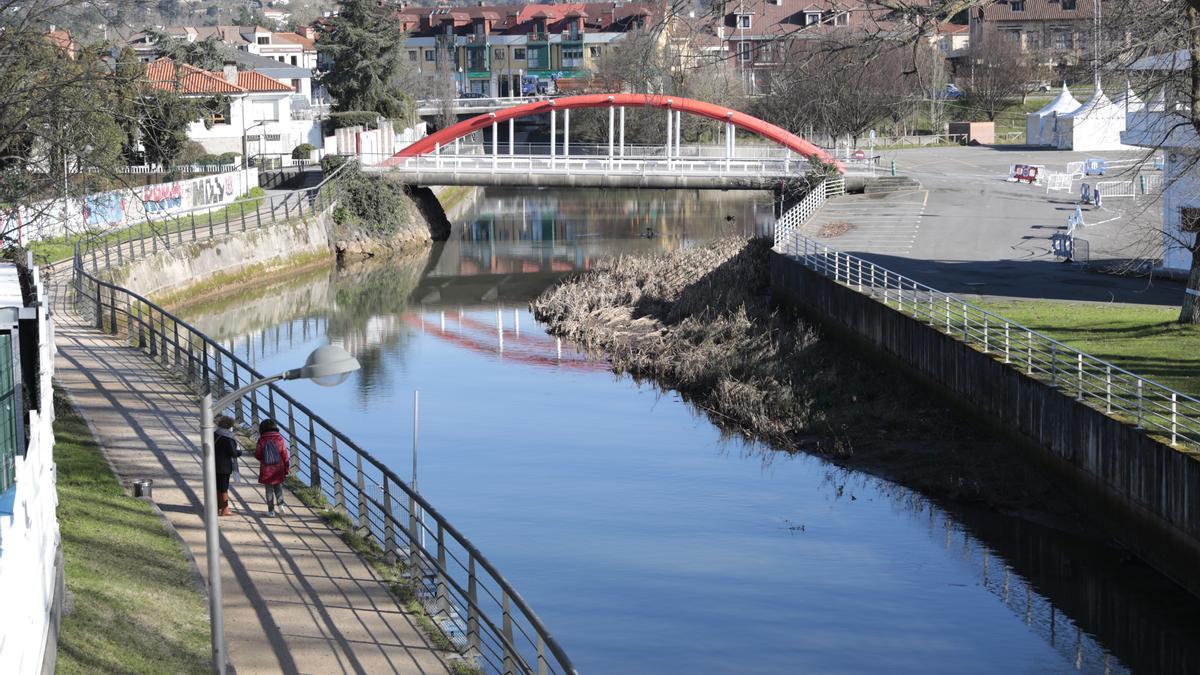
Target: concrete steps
point(886, 184)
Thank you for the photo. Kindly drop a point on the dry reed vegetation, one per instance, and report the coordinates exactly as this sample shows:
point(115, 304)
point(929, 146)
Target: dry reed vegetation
point(700, 322)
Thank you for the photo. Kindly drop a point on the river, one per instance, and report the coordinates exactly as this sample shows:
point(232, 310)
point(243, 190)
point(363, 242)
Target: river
point(645, 540)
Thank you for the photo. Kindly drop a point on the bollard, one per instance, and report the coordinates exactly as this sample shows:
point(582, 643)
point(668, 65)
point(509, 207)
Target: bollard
point(893, 167)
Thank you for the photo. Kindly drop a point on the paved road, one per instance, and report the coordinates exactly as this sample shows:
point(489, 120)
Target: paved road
point(978, 234)
point(297, 599)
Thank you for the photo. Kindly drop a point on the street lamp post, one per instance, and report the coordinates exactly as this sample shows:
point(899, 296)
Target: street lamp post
point(328, 366)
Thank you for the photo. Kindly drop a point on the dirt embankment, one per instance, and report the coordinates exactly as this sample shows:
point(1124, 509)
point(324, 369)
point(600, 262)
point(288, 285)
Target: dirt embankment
point(701, 322)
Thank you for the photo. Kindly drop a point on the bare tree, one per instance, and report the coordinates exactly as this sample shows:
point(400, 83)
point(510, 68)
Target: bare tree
point(999, 72)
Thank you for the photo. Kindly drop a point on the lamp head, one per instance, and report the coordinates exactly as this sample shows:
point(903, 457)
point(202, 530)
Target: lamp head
point(328, 366)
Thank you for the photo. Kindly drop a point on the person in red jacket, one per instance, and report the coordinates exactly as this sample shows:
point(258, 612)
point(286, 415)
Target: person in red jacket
point(274, 463)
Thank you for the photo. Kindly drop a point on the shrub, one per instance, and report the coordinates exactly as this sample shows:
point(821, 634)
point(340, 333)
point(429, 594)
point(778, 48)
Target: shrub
point(302, 151)
point(351, 118)
point(228, 157)
point(191, 153)
point(331, 162)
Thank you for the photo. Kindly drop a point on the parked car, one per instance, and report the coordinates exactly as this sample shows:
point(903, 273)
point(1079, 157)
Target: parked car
point(952, 91)
point(472, 94)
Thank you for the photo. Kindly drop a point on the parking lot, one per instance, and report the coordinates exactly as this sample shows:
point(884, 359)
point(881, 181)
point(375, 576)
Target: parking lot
point(976, 233)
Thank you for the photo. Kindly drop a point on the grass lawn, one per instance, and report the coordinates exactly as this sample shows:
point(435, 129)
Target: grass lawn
point(1143, 340)
point(53, 249)
point(135, 609)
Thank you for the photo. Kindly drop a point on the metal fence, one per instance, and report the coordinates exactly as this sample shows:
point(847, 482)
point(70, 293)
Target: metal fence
point(1160, 410)
point(469, 602)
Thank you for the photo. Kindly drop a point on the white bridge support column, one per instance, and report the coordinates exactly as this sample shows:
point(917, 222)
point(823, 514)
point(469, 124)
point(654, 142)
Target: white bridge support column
point(610, 135)
point(567, 134)
point(622, 132)
point(511, 135)
point(670, 118)
point(495, 141)
point(553, 133)
point(678, 132)
point(729, 140)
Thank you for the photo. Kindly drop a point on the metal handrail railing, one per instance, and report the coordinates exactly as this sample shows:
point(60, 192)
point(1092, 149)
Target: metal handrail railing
point(474, 607)
point(1100, 384)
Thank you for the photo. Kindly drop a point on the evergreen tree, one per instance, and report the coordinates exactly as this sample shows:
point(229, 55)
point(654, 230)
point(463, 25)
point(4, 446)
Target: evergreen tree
point(365, 50)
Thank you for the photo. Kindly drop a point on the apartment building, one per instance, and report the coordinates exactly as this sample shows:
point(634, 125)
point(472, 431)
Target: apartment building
point(1061, 30)
point(759, 36)
point(505, 50)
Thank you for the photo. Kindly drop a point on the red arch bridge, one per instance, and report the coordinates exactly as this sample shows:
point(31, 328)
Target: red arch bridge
point(444, 158)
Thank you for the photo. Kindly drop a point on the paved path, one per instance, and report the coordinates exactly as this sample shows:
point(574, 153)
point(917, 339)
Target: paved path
point(979, 235)
point(297, 599)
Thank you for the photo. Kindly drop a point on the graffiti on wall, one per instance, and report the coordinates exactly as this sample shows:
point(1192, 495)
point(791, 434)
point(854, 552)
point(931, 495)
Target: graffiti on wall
point(105, 209)
point(162, 198)
point(211, 190)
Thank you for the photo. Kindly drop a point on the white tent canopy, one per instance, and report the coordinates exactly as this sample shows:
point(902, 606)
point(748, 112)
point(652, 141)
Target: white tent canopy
point(1129, 101)
point(1039, 125)
point(1095, 125)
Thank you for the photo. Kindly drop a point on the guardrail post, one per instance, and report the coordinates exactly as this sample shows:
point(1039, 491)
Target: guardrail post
point(1079, 371)
point(947, 315)
point(364, 523)
point(219, 371)
point(112, 310)
point(1053, 364)
point(1108, 389)
point(239, 407)
point(472, 608)
point(986, 346)
point(99, 309)
point(1139, 403)
point(175, 332)
point(120, 253)
point(1174, 417)
point(1029, 352)
point(543, 666)
point(389, 527)
point(204, 365)
point(141, 343)
point(339, 495)
point(506, 627)
point(314, 466)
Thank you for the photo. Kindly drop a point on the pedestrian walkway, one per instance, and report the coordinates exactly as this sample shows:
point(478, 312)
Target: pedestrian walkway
point(872, 223)
point(296, 598)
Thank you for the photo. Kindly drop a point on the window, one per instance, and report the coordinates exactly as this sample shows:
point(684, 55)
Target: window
point(743, 21)
point(594, 52)
point(499, 54)
point(430, 55)
point(10, 412)
point(272, 137)
point(812, 18)
point(1189, 219)
point(296, 84)
point(1017, 5)
point(294, 61)
point(745, 51)
point(842, 19)
point(1068, 5)
point(518, 54)
point(572, 57)
point(263, 40)
point(218, 111)
point(537, 58)
point(412, 55)
point(1062, 39)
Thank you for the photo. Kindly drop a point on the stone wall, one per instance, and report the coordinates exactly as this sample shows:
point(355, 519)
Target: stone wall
point(265, 250)
point(1145, 492)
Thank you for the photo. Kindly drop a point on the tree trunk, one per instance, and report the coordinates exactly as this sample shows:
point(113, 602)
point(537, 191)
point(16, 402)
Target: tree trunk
point(1190, 313)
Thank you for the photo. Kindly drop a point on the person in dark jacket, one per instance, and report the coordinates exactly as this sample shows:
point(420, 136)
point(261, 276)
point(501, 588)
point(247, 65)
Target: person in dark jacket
point(227, 451)
point(274, 462)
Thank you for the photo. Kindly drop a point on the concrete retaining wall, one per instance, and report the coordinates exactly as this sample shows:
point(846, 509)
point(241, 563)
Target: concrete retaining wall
point(193, 263)
point(1146, 492)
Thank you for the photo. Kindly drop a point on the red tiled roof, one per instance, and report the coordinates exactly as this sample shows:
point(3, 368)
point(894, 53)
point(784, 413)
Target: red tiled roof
point(165, 74)
point(253, 81)
point(295, 39)
point(1036, 10)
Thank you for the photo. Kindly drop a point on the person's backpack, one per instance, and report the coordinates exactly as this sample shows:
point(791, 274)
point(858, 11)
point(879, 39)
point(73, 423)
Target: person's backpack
point(271, 452)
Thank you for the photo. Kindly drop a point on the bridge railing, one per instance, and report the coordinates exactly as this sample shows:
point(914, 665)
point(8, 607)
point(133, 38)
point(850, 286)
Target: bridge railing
point(745, 151)
point(587, 164)
point(472, 609)
point(1126, 396)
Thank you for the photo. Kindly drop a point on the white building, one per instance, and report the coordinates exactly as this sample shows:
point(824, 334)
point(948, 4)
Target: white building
point(293, 49)
point(31, 563)
point(254, 116)
point(1163, 124)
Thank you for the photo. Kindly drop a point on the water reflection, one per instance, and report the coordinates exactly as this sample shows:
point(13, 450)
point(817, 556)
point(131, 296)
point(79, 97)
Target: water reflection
point(647, 542)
